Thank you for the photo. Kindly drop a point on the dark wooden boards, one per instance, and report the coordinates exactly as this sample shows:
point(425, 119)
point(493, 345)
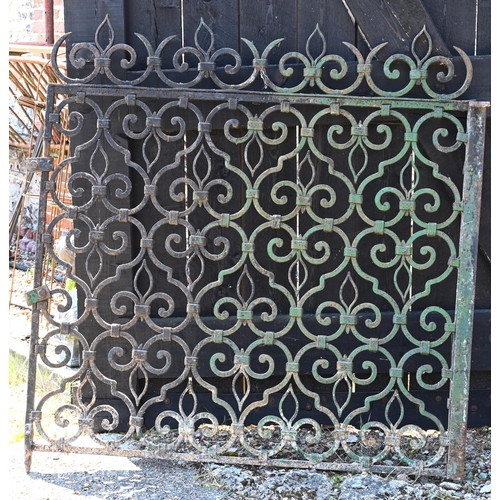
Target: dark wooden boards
point(396, 22)
point(155, 20)
point(264, 21)
point(485, 222)
point(483, 27)
point(456, 22)
point(449, 22)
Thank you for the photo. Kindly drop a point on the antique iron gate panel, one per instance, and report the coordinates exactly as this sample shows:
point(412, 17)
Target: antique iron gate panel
point(283, 255)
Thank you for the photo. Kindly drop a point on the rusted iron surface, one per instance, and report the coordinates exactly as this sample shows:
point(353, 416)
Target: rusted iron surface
point(38, 164)
point(310, 227)
point(326, 73)
point(37, 295)
point(49, 22)
point(466, 288)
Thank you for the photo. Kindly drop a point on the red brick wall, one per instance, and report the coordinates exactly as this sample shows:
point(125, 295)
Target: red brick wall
point(38, 23)
point(27, 20)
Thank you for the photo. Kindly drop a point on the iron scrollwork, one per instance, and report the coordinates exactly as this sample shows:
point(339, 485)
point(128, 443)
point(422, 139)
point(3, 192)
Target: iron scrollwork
point(341, 236)
point(320, 71)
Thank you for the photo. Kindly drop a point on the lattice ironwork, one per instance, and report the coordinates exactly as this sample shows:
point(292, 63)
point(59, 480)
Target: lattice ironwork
point(261, 271)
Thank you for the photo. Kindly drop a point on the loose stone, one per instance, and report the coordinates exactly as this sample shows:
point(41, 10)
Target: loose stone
point(450, 486)
point(485, 489)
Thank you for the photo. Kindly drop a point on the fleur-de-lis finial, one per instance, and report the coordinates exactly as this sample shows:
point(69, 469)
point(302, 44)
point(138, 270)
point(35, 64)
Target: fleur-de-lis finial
point(207, 53)
point(319, 33)
point(422, 35)
point(99, 31)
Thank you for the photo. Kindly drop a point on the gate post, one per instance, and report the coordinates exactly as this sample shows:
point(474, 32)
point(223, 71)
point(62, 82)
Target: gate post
point(458, 403)
point(37, 282)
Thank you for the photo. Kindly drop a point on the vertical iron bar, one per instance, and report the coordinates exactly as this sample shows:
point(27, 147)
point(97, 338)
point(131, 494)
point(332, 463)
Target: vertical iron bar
point(37, 281)
point(459, 393)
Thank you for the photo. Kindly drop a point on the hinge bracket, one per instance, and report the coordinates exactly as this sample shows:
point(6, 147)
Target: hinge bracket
point(37, 295)
point(41, 164)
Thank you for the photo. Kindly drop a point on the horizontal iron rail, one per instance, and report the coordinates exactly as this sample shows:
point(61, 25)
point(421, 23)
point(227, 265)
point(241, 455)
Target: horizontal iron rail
point(264, 97)
point(230, 460)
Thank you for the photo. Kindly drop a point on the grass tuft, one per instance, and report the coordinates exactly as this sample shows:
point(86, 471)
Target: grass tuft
point(46, 381)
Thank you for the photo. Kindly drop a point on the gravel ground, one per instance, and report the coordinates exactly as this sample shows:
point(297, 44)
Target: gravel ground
point(59, 476)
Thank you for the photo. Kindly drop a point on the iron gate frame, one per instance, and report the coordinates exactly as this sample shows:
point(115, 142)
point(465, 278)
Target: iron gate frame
point(231, 95)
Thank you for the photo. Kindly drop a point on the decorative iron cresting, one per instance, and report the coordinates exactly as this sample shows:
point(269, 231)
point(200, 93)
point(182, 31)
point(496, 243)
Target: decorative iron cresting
point(281, 238)
point(318, 71)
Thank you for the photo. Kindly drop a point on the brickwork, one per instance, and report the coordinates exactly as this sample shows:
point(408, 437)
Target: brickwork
point(27, 21)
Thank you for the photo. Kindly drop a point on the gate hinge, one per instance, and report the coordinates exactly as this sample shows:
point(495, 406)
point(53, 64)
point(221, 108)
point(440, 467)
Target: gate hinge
point(37, 295)
point(41, 164)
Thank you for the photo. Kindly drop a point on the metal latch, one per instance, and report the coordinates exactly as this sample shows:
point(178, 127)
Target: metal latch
point(37, 295)
point(41, 164)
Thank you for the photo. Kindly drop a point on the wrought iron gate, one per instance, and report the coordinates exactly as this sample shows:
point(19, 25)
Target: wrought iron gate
point(258, 259)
